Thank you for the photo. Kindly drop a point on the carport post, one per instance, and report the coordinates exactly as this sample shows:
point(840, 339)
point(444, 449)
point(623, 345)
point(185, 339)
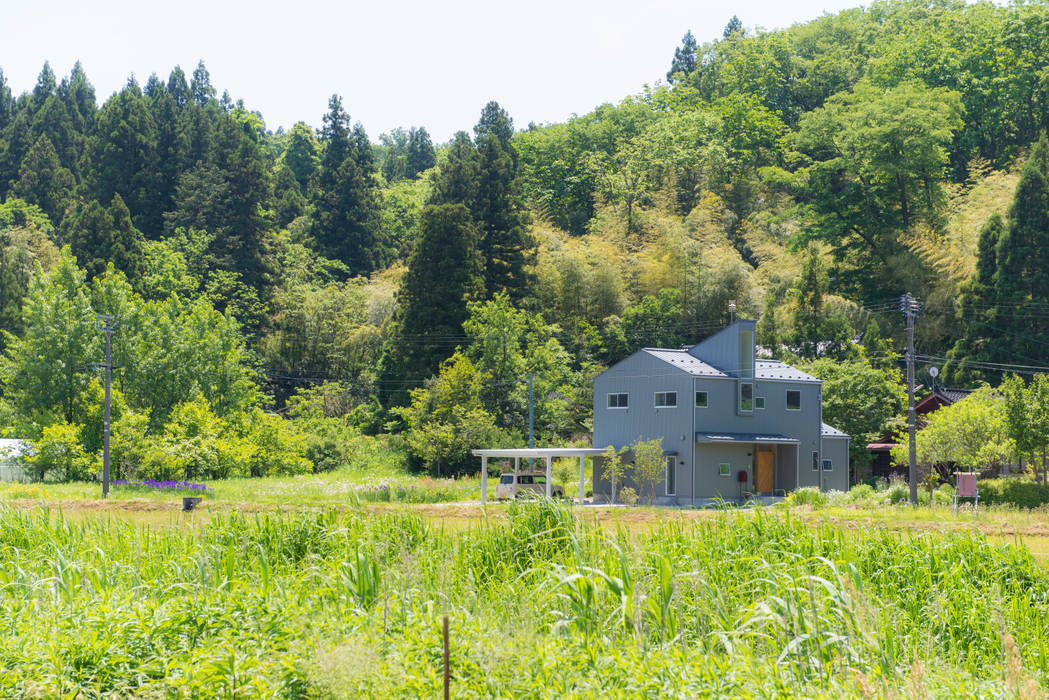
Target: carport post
point(582, 478)
point(549, 471)
point(484, 478)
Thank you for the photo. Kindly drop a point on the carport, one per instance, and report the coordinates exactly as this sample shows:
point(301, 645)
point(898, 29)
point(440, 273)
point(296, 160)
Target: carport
point(545, 453)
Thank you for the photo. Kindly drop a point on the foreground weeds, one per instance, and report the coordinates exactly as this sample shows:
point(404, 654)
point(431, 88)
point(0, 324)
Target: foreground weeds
point(328, 604)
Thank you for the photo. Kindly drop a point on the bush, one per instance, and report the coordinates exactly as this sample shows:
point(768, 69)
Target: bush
point(898, 493)
point(807, 496)
point(1019, 492)
point(860, 493)
point(627, 496)
point(58, 455)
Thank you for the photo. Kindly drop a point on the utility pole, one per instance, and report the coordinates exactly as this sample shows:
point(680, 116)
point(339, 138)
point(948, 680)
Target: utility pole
point(909, 306)
point(531, 419)
point(104, 323)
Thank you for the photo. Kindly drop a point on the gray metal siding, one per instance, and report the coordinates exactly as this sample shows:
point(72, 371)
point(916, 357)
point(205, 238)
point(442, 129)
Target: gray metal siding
point(836, 449)
point(722, 349)
point(641, 376)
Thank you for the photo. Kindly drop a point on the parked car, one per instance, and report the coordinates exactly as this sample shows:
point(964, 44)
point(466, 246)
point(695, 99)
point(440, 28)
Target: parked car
point(526, 484)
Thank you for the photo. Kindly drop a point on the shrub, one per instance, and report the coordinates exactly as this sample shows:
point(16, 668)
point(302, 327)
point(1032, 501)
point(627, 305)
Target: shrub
point(279, 447)
point(1016, 491)
point(860, 493)
point(59, 455)
point(898, 493)
point(627, 496)
point(160, 464)
point(807, 496)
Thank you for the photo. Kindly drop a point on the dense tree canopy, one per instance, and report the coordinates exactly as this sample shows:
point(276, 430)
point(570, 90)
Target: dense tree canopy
point(808, 176)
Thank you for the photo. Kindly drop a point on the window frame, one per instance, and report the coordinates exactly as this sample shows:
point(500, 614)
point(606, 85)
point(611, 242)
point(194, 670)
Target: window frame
point(669, 475)
point(759, 403)
point(739, 397)
point(626, 404)
point(706, 399)
point(794, 391)
point(815, 461)
point(664, 394)
point(724, 469)
point(826, 464)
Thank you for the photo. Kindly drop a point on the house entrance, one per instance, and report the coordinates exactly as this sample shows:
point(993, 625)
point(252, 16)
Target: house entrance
point(764, 480)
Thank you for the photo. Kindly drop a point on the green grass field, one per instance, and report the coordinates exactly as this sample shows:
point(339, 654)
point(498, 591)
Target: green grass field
point(543, 601)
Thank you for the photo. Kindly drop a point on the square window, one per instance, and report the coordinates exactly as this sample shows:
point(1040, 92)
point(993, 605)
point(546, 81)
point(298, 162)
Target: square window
point(671, 463)
point(701, 399)
point(724, 469)
point(666, 399)
point(618, 400)
point(793, 400)
point(828, 465)
point(759, 402)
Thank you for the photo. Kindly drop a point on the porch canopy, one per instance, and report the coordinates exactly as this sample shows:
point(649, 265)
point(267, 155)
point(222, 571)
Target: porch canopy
point(755, 438)
point(545, 453)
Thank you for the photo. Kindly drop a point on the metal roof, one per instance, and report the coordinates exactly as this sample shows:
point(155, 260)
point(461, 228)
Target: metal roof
point(831, 431)
point(759, 438)
point(539, 452)
point(774, 369)
point(686, 362)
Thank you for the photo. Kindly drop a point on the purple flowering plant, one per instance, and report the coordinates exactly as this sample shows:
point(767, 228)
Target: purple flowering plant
point(154, 485)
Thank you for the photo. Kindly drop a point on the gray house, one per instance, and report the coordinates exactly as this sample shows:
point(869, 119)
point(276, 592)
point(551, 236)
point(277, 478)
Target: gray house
point(730, 423)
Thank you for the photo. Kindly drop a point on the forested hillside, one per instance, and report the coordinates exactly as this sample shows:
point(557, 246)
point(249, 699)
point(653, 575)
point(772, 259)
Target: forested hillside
point(810, 175)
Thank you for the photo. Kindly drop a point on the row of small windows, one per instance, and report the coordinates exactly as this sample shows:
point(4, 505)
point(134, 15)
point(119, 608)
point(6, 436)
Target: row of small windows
point(748, 402)
point(725, 469)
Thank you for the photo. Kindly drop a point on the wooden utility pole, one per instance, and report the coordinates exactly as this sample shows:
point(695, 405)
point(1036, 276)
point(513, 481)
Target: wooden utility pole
point(909, 306)
point(105, 324)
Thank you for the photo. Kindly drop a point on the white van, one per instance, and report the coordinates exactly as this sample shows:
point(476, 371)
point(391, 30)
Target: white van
point(531, 483)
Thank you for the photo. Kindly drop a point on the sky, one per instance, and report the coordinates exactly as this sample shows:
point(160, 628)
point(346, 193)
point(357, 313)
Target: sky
point(432, 64)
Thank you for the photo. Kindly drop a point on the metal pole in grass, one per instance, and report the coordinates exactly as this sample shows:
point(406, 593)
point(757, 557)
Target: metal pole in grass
point(447, 674)
point(909, 306)
point(104, 323)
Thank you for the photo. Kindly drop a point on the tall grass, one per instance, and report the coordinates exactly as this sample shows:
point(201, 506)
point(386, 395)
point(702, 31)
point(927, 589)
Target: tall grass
point(330, 604)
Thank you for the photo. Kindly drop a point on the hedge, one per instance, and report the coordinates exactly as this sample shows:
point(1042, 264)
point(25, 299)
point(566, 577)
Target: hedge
point(1017, 491)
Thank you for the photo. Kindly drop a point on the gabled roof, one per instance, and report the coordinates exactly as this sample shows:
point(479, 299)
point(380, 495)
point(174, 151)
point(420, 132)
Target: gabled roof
point(830, 431)
point(774, 369)
point(952, 395)
point(686, 362)
point(763, 369)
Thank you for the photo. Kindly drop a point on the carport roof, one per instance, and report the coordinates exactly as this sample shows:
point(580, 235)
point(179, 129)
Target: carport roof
point(539, 452)
point(758, 438)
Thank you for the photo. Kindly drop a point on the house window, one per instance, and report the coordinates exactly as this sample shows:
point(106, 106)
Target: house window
point(671, 487)
point(666, 399)
point(701, 399)
point(618, 400)
point(746, 354)
point(828, 465)
point(759, 403)
point(793, 400)
point(724, 469)
point(815, 461)
point(746, 397)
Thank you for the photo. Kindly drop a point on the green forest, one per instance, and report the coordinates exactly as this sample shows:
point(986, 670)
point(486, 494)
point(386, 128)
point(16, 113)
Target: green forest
point(279, 293)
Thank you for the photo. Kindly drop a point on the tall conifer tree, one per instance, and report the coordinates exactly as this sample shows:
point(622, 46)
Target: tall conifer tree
point(345, 196)
point(507, 248)
point(99, 235)
point(444, 273)
point(43, 181)
point(1003, 308)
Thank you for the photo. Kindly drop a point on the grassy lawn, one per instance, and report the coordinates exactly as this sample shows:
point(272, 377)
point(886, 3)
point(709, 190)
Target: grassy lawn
point(544, 600)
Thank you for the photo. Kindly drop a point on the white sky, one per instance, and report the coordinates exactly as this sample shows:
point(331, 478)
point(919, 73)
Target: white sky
point(432, 64)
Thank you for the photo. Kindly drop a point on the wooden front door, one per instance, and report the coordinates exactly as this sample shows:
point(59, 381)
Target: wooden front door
point(763, 479)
